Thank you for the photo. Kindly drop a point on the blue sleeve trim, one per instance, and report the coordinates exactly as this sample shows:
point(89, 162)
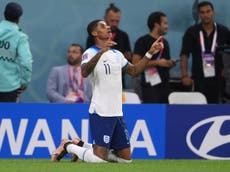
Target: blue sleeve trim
point(95, 48)
point(125, 65)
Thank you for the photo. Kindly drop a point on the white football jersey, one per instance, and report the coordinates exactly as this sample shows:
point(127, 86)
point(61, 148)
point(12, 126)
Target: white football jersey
point(106, 80)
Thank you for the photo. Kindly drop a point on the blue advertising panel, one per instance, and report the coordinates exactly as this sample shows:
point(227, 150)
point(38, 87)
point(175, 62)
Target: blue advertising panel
point(198, 131)
point(35, 130)
point(146, 124)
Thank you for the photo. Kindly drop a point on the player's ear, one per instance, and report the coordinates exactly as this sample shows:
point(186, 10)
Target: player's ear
point(94, 33)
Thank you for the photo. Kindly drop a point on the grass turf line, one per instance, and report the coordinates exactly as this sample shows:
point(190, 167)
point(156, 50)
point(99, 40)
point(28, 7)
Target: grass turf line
point(43, 165)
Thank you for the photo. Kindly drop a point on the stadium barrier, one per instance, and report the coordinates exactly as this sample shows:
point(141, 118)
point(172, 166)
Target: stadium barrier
point(156, 131)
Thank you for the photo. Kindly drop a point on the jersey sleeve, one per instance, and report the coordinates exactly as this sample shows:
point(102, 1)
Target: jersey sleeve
point(124, 61)
point(87, 56)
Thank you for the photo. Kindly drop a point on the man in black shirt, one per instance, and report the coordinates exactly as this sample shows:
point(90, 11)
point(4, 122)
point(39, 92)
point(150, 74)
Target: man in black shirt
point(201, 41)
point(112, 18)
point(154, 80)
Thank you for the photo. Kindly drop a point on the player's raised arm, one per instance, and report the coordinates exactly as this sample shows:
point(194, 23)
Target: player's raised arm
point(136, 69)
point(87, 68)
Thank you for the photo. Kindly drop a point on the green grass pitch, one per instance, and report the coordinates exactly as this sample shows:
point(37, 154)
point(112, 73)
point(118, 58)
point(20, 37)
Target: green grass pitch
point(45, 165)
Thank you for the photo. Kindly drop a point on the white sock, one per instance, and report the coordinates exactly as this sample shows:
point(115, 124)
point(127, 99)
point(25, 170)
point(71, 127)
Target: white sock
point(114, 158)
point(83, 153)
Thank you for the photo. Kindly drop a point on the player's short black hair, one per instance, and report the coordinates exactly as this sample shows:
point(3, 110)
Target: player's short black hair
point(113, 8)
point(204, 3)
point(13, 11)
point(153, 18)
point(92, 25)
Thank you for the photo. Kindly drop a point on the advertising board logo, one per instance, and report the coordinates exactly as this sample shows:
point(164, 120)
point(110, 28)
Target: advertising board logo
point(211, 139)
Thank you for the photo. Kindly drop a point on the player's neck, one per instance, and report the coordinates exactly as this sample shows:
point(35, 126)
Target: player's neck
point(100, 43)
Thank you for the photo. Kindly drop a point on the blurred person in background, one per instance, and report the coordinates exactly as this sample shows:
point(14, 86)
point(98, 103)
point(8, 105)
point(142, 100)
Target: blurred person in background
point(65, 83)
point(15, 55)
point(154, 83)
point(201, 41)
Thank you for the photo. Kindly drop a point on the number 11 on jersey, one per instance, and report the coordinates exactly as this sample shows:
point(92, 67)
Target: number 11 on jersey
point(107, 69)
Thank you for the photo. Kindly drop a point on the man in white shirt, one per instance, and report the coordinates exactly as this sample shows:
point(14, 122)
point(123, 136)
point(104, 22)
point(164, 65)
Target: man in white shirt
point(104, 67)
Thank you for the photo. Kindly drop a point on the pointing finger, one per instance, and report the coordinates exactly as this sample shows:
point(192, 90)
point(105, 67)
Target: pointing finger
point(159, 39)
